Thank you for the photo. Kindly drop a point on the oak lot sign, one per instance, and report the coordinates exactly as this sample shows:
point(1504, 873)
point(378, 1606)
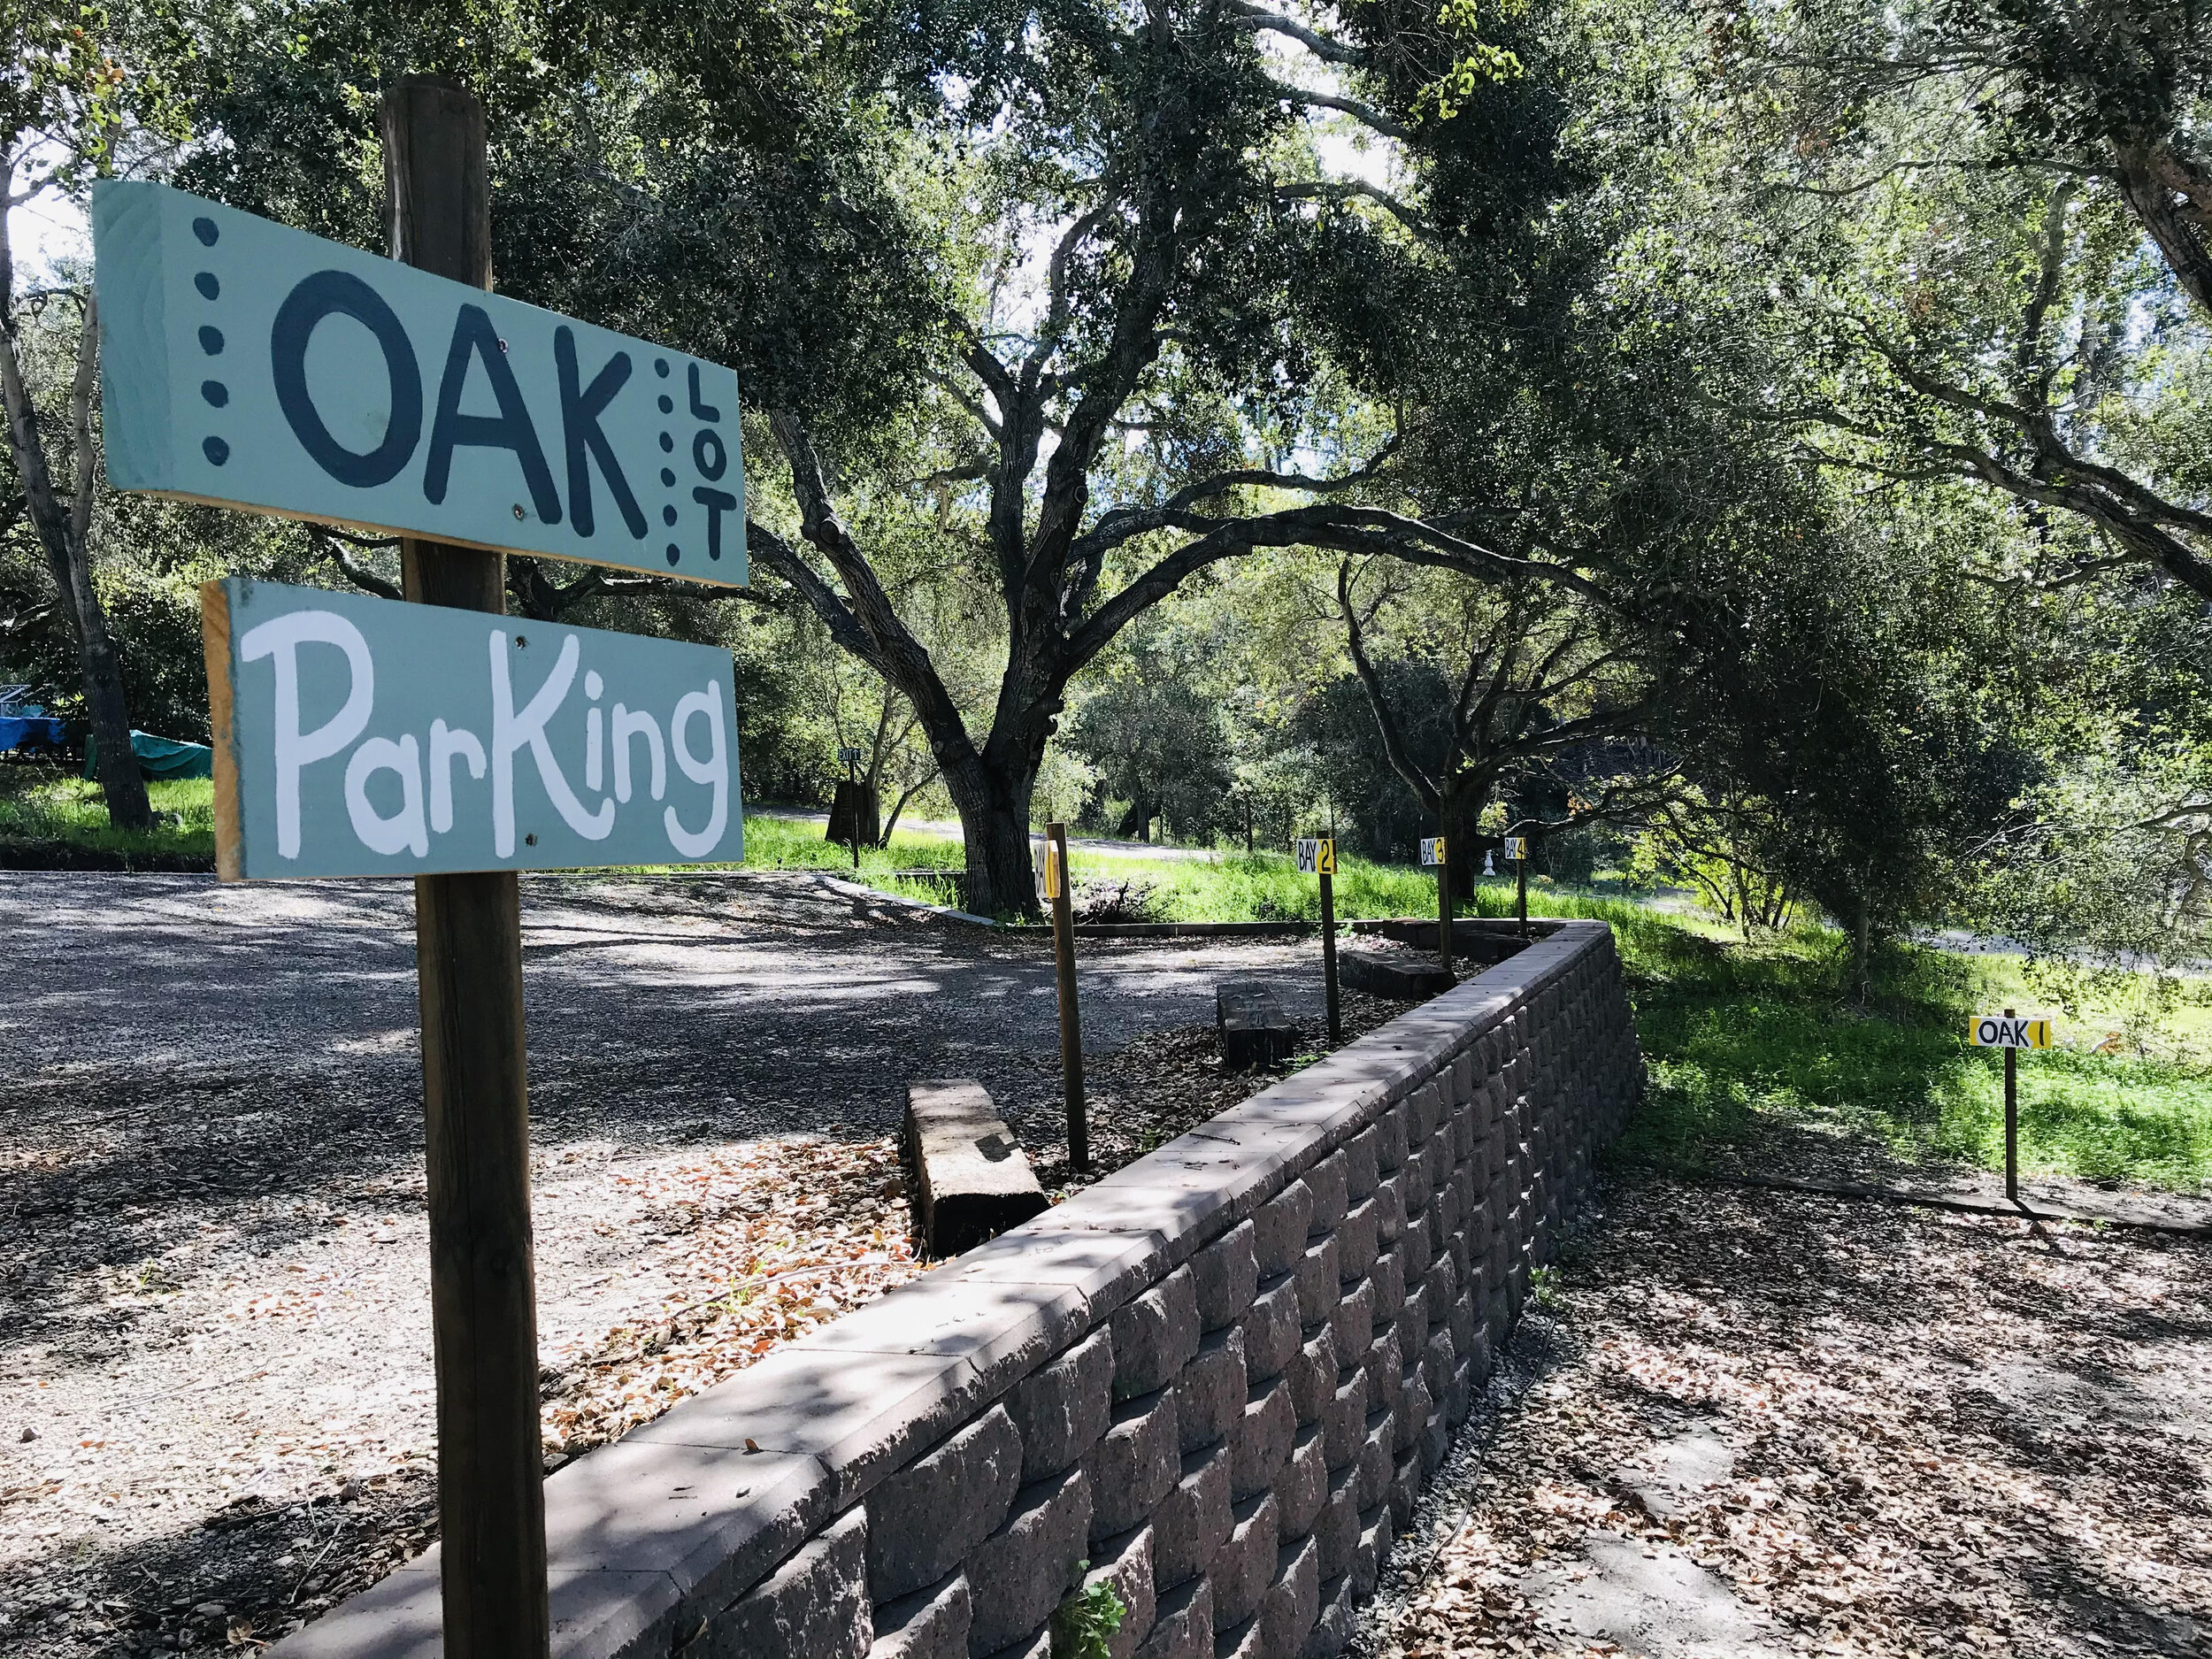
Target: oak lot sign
point(258, 366)
point(360, 736)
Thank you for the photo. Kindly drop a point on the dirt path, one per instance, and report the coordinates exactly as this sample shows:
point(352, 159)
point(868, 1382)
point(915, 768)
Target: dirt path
point(213, 1280)
point(1748, 1423)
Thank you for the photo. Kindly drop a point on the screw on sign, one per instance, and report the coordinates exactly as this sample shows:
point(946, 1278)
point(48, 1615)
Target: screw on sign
point(251, 365)
point(2011, 1032)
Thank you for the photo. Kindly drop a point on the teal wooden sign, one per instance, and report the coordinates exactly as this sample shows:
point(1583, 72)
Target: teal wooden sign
point(245, 364)
point(364, 737)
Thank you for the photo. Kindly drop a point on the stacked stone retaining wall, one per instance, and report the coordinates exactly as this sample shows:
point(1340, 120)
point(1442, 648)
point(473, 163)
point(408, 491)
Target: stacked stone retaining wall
point(1220, 1376)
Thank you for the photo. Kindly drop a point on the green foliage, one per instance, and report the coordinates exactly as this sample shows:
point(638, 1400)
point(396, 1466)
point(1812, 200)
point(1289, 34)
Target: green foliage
point(1084, 1625)
point(49, 809)
point(1741, 1040)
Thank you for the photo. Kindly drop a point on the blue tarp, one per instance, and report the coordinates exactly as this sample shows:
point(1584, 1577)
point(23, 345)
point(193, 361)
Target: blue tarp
point(39, 730)
point(157, 756)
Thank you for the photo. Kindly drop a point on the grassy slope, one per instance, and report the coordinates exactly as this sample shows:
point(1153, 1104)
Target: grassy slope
point(1737, 1037)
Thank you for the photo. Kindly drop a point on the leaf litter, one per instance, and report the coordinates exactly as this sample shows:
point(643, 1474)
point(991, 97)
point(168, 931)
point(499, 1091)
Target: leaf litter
point(1928, 1433)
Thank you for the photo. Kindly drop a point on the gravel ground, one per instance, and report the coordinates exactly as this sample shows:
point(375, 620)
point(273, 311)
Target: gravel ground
point(1746, 1423)
point(215, 1380)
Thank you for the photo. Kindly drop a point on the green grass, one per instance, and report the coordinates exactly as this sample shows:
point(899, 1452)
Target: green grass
point(1741, 1040)
point(45, 805)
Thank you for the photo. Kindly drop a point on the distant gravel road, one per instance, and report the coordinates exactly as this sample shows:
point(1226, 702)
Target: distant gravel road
point(213, 1275)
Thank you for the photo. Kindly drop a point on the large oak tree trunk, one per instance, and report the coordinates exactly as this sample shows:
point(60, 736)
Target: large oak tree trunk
point(994, 804)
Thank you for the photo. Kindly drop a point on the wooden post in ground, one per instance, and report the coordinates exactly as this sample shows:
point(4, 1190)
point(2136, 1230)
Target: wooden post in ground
point(1071, 1020)
point(1328, 943)
point(2012, 1125)
point(468, 946)
point(1444, 903)
point(1522, 864)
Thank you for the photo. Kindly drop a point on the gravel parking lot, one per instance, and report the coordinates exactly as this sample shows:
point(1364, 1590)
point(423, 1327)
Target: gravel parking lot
point(214, 1276)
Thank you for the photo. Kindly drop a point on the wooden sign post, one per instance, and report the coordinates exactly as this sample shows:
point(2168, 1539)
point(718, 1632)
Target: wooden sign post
point(468, 972)
point(255, 367)
point(1516, 850)
point(1317, 855)
point(1057, 884)
point(1433, 852)
point(2011, 1034)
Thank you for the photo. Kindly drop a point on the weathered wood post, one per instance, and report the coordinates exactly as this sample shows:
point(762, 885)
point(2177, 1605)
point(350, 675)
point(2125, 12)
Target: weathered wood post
point(468, 945)
point(1057, 880)
point(1520, 865)
point(1444, 904)
point(2012, 1123)
point(1326, 864)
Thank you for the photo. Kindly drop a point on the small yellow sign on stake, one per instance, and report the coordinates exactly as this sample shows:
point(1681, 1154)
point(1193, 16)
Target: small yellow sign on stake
point(1315, 856)
point(1431, 849)
point(1516, 847)
point(2005, 1031)
point(1052, 870)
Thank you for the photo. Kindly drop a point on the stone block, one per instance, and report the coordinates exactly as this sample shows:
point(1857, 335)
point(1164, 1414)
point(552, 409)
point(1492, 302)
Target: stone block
point(1227, 1277)
point(1356, 1240)
point(1320, 1282)
point(1371, 1552)
point(1389, 1199)
point(1343, 1426)
point(1413, 1411)
point(1279, 1229)
point(1292, 1601)
point(972, 1181)
point(1404, 1490)
point(1416, 1179)
point(1018, 1574)
point(923, 1520)
point(1125, 1564)
point(1413, 1317)
point(1273, 1328)
point(1036, 1645)
point(931, 1624)
point(1391, 1144)
point(1301, 1485)
point(1388, 1276)
point(815, 1606)
point(1192, 1521)
point(1156, 1335)
point(1182, 1624)
point(1209, 1392)
point(1438, 1357)
point(1378, 1450)
point(1135, 1464)
point(1335, 1622)
point(1435, 1443)
point(1253, 1026)
point(1354, 1320)
point(1331, 1183)
point(1414, 1251)
point(1312, 1374)
point(1428, 1111)
point(1262, 1438)
point(1385, 1366)
point(1062, 1409)
point(1336, 1530)
point(1244, 1566)
point(1362, 1167)
point(1240, 1641)
point(707, 1523)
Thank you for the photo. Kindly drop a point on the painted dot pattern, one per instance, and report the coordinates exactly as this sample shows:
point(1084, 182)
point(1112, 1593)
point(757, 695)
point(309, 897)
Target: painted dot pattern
point(214, 393)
